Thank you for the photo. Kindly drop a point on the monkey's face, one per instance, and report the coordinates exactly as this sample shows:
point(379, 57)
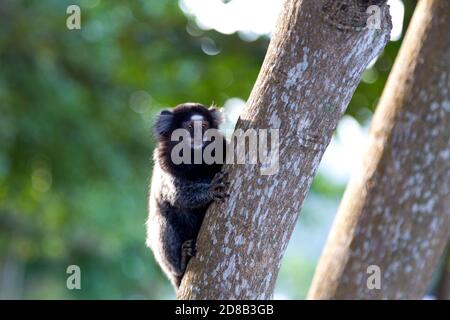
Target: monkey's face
point(193, 119)
point(196, 125)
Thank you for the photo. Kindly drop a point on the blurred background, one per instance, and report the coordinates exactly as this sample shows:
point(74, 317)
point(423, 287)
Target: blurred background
point(76, 109)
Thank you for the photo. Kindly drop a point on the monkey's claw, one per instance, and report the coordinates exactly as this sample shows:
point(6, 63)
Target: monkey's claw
point(189, 248)
point(219, 185)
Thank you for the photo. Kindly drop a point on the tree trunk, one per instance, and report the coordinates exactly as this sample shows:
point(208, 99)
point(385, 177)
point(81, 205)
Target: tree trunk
point(312, 67)
point(443, 288)
point(395, 213)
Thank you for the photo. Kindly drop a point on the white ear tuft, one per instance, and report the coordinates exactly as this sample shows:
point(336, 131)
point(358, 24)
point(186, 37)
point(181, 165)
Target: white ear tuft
point(163, 123)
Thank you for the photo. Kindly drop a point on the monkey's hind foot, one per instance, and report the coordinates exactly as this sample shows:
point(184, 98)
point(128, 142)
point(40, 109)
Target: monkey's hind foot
point(188, 250)
point(219, 186)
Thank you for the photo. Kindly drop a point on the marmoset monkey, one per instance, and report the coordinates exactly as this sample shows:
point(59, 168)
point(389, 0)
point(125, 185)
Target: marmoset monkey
point(180, 193)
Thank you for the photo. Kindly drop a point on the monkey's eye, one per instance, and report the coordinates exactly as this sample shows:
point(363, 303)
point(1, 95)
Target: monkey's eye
point(190, 126)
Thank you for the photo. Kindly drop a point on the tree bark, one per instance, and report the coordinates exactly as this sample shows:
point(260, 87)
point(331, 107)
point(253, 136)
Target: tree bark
point(443, 288)
point(395, 213)
point(313, 65)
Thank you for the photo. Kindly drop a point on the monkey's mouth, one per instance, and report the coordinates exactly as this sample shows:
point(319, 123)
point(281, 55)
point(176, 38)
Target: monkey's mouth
point(197, 142)
point(196, 145)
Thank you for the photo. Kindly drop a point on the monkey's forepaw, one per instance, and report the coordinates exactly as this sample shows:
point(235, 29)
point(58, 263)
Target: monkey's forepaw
point(219, 186)
point(189, 248)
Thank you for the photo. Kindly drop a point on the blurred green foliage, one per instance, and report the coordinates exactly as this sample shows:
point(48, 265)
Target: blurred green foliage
point(75, 141)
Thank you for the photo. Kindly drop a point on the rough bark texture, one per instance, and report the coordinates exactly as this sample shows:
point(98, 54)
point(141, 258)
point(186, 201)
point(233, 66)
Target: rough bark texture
point(395, 212)
point(310, 72)
point(443, 288)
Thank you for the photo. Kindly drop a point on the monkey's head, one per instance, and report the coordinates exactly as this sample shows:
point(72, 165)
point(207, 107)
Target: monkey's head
point(194, 118)
point(187, 122)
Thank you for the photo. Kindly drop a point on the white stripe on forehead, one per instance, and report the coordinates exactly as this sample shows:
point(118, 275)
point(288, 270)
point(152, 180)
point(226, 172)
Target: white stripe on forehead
point(197, 117)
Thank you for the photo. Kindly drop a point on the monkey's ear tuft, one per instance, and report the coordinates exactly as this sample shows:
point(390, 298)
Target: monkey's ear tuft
point(163, 123)
point(217, 115)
